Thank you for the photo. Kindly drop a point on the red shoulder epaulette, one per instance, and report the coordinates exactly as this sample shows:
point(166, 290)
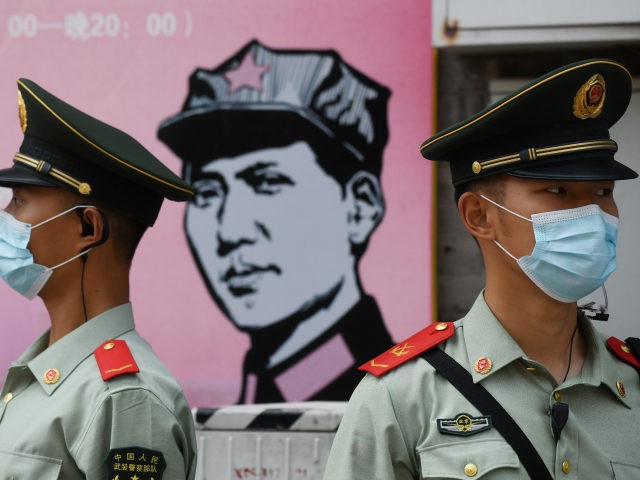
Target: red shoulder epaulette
point(411, 347)
point(622, 351)
point(114, 358)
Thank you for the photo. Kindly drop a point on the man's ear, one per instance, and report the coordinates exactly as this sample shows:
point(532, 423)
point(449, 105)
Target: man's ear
point(94, 227)
point(475, 215)
point(365, 206)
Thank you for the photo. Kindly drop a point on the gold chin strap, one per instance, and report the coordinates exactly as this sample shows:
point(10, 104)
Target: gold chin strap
point(533, 154)
point(45, 168)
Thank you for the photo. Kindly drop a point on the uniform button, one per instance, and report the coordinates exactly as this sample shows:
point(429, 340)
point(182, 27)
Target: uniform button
point(441, 326)
point(566, 466)
point(470, 469)
point(7, 398)
point(557, 396)
point(109, 346)
point(621, 389)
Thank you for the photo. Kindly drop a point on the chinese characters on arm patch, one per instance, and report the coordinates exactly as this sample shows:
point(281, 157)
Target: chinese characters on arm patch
point(135, 463)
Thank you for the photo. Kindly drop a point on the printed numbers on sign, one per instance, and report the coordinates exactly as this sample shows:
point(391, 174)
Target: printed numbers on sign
point(161, 24)
point(22, 25)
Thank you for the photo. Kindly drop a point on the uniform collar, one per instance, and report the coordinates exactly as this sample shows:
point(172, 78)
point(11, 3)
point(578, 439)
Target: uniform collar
point(486, 338)
point(489, 346)
point(68, 352)
point(601, 367)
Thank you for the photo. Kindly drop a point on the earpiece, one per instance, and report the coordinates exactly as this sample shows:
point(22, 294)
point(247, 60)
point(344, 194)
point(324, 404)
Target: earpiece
point(87, 228)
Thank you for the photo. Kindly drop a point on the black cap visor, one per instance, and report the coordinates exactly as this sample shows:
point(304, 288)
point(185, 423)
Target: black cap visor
point(579, 169)
point(10, 177)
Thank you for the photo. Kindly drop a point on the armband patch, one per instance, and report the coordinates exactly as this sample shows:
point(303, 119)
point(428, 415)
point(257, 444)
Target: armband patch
point(135, 463)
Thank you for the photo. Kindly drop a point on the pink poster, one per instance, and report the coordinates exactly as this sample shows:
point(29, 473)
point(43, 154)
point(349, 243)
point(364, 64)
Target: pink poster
point(308, 248)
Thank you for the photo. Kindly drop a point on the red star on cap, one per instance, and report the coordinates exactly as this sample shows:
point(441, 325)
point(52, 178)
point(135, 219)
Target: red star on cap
point(248, 74)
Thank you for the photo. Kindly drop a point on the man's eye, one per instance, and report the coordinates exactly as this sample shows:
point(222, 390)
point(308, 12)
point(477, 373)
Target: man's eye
point(557, 190)
point(604, 192)
point(206, 192)
point(269, 183)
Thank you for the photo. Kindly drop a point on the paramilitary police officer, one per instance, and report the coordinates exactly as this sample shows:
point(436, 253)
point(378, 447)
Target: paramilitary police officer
point(89, 398)
point(523, 386)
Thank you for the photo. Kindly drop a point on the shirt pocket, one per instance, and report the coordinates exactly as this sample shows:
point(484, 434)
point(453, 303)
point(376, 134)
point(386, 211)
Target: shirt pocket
point(23, 466)
point(469, 459)
point(625, 471)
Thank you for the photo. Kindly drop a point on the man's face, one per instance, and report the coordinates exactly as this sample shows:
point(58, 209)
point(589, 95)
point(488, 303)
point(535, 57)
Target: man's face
point(50, 243)
point(528, 196)
point(268, 229)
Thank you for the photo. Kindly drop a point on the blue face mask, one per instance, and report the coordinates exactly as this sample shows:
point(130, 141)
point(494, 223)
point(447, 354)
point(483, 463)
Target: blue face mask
point(16, 261)
point(575, 251)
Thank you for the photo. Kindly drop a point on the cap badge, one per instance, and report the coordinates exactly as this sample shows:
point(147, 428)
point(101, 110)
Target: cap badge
point(22, 112)
point(589, 100)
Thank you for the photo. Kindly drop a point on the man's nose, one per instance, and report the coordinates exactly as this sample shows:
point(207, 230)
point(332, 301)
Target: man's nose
point(237, 223)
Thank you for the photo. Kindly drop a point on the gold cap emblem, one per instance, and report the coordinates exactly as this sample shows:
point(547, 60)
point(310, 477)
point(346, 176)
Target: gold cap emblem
point(22, 112)
point(589, 100)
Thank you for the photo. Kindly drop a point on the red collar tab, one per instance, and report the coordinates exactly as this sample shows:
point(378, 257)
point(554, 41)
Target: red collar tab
point(413, 346)
point(114, 358)
point(623, 352)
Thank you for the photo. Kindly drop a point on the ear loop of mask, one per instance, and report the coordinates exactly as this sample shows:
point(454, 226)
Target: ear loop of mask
point(60, 215)
point(81, 254)
point(506, 209)
point(511, 212)
point(57, 216)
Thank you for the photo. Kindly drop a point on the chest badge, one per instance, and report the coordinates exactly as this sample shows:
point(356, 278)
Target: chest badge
point(464, 425)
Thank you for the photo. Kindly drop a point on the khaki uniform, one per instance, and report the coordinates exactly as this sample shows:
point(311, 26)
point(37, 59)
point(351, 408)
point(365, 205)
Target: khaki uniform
point(78, 426)
point(390, 430)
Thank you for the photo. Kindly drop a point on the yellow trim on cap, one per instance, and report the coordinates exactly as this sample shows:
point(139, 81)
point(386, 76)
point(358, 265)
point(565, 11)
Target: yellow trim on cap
point(100, 149)
point(515, 97)
point(82, 187)
point(545, 152)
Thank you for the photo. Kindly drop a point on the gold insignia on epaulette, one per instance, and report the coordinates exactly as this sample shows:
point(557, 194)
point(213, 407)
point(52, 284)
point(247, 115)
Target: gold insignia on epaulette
point(589, 99)
point(22, 112)
point(400, 350)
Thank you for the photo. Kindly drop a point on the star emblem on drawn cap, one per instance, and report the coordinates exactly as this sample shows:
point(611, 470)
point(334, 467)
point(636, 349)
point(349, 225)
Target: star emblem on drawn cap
point(248, 74)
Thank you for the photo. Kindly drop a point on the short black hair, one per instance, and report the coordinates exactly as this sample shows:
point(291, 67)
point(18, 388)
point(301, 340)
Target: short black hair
point(493, 185)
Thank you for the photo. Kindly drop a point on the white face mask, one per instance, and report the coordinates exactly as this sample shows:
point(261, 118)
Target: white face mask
point(575, 250)
point(16, 261)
